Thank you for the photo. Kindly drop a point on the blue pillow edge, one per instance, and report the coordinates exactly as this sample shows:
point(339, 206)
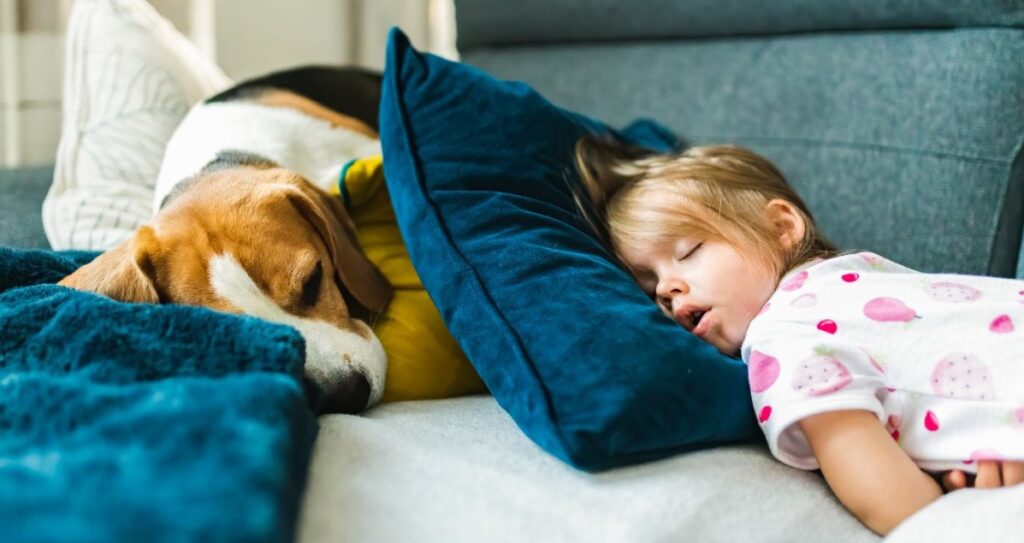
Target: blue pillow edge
point(471, 276)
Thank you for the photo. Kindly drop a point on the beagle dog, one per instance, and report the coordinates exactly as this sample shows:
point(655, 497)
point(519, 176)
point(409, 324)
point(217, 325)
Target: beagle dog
point(243, 224)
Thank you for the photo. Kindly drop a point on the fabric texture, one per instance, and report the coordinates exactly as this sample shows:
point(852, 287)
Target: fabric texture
point(424, 361)
point(493, 23)
point(934, 356)
point(907, 144)
point(460, 471)
point(132, 422)
point(481, 176)
point(129, 79)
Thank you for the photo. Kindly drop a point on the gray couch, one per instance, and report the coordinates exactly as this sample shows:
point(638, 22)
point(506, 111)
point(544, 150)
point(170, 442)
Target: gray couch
point(901, 123)
point(21, 196)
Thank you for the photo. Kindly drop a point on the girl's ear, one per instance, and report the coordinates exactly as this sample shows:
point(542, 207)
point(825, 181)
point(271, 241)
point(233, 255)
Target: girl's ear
point(787, 221)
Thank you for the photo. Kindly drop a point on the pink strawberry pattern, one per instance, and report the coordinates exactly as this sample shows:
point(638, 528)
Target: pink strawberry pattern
point(1017, 418)
point(962, 376)
point(795, 282)
point(889, 310)
point(981, 455)
point(1002, 324)
point(829, 298)
point(892, 425)
point(821, 374)
point(762, 371)
point(955, 293)
point(805, 300)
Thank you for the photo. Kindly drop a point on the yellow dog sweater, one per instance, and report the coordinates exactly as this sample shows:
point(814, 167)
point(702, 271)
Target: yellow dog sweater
point(424, 361)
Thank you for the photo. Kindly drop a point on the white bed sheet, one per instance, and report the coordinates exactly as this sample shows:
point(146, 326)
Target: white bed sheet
point(460, 470)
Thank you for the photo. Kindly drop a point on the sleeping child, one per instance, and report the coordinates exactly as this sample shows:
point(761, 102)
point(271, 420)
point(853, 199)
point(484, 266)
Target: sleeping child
point(859, 366)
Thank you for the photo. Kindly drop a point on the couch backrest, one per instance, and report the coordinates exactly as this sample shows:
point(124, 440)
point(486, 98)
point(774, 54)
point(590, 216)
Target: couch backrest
point(21, 196)
point(901, 128)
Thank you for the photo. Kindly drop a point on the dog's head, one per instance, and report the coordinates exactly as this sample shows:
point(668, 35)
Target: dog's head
point(246, 236)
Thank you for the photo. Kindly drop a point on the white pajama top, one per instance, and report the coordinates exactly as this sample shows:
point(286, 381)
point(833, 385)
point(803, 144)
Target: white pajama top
point(938, 358)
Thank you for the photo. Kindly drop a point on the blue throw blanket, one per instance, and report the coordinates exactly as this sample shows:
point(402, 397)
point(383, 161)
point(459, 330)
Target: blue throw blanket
point(131, 422)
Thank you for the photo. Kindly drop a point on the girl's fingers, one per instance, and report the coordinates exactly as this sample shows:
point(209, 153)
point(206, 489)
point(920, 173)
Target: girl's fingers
point(1013, 473)
point(988, 475)
point(954, 480)
point(991, 474)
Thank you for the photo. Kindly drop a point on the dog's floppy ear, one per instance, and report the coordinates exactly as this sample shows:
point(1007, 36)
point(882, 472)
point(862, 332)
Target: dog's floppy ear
point(123, 273)
point(359, 276)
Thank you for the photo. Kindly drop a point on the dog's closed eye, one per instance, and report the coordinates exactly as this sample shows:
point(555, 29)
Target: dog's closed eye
point(311, 286)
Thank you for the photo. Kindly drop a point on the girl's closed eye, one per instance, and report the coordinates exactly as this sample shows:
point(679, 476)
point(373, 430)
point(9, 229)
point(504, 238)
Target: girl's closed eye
point(690, 252)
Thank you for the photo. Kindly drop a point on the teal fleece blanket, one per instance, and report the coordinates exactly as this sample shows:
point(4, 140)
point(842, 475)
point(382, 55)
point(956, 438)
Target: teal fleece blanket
point(132, 422)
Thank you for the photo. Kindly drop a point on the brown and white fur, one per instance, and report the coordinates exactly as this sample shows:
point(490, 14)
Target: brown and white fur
point(241, 225)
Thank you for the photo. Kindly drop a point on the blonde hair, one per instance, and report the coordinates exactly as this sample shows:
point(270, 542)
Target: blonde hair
point(712, 192)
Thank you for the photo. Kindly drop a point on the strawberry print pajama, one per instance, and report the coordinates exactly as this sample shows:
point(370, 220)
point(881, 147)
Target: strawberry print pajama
point(938, 358)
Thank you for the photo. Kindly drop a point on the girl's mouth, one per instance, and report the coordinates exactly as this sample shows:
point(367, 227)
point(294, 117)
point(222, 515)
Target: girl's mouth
point(700, 323)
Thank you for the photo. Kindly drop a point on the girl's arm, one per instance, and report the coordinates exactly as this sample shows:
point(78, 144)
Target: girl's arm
point(867, 470)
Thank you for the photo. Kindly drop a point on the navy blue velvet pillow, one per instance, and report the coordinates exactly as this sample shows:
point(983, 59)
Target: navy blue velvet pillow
point(480, 173)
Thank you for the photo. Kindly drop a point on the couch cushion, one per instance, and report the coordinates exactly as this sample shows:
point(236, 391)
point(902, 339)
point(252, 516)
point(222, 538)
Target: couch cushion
point(21, 197)
point(480, 173)
point(906, 144)
point(499, 22)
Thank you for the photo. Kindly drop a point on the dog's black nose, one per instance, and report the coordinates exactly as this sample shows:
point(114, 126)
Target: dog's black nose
point(346, 394)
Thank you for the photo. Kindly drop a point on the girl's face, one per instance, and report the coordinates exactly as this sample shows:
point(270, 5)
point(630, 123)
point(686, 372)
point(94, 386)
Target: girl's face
point(708, 286)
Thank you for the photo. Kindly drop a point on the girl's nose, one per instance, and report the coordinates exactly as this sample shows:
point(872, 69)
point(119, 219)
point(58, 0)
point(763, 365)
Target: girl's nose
point(670, 289)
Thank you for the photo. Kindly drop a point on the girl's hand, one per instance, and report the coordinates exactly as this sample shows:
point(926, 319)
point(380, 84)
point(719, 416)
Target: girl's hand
point(991, 474)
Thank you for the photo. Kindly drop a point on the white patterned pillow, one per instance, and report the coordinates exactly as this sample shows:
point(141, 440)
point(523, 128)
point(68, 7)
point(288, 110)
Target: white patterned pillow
point(129, 80)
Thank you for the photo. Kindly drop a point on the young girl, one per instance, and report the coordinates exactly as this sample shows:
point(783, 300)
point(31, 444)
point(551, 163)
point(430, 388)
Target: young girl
point(858, 366)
